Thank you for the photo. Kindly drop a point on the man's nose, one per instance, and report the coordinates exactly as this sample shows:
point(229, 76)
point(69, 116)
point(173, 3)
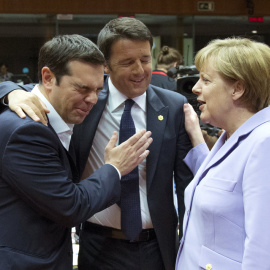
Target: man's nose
point(138, 68)
point(92, 97)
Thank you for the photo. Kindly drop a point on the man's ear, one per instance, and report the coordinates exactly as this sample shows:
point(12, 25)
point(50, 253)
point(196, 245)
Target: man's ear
point(48, 77)
point(107, 68)
point(238, 90)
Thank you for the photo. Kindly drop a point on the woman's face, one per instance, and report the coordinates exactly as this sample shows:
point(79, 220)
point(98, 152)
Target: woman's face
point(214, 95)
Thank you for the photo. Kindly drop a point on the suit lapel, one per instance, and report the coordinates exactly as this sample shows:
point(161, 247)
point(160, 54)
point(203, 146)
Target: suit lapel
point(222, 149)
point(72, 158)
point(156, 119)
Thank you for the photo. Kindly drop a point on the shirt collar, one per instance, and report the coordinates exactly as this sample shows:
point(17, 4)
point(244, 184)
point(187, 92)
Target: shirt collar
point(116, 98)
point(57, 123)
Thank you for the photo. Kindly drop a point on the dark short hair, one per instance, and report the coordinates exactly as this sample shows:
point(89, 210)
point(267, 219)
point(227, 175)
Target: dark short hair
point(59, 51)
point(122, 28)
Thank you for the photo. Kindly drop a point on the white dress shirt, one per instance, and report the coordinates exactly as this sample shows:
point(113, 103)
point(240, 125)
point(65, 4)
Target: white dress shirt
point(62, 129)
point(109, 122)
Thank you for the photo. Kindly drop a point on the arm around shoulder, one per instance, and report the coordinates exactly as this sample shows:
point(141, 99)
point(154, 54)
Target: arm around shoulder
point(7, 87)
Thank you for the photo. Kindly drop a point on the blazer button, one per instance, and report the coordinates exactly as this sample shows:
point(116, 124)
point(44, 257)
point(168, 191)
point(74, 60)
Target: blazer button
point(208, 266)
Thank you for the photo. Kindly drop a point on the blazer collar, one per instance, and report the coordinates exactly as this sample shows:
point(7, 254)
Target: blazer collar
point(221, 148)
point(157, 114)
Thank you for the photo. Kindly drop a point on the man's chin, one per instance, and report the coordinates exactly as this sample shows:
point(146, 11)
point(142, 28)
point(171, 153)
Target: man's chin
point(138, 91)
point(75, 120)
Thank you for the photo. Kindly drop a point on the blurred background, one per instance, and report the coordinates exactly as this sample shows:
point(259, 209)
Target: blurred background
point(186, 25)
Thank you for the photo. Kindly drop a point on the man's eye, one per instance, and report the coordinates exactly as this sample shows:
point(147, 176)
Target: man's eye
point(146, 61)
point(126, 64)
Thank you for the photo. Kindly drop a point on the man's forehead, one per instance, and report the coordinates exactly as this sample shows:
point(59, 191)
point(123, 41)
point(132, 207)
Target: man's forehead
point(131, 50)
point(81, 72)
point(130, 43)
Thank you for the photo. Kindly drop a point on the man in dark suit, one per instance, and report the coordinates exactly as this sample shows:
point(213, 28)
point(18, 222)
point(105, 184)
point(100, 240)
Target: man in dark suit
point(39, 202)
point(126, 44)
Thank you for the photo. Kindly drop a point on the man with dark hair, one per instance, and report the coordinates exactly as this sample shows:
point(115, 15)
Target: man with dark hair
point(104, 244)
point(126, 44)
point(39, 201)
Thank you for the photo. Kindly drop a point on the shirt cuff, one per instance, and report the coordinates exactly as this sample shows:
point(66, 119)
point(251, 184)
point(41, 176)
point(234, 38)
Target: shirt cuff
point(117, 171)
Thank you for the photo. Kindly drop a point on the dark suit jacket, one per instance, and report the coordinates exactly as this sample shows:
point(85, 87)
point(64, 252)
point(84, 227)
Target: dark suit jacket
point(39, 203)
point(165, 161)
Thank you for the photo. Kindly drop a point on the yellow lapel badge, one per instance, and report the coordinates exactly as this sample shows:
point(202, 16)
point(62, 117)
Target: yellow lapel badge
point(160, 117)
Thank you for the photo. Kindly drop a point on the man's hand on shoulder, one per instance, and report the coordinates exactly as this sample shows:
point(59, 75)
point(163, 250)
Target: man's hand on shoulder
point(22, 102)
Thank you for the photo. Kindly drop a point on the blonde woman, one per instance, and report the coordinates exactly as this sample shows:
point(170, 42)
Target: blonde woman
point(227, 219)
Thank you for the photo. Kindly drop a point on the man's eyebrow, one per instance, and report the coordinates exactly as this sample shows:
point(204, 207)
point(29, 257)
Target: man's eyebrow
point(86, 87)
point(77, 85)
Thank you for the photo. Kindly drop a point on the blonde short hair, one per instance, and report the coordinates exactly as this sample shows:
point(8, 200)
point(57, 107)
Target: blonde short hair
point(244, 60)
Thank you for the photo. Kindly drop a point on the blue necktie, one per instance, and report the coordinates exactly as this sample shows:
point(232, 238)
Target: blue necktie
point(131, 221)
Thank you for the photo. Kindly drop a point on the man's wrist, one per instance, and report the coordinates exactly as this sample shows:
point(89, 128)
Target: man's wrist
point(116, 170)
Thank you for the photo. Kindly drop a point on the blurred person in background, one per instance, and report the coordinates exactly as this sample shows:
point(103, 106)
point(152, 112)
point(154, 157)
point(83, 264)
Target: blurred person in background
point(4, 74)
point(167, 58)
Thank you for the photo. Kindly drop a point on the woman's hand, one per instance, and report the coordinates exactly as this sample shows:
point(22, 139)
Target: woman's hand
point(192, 125)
